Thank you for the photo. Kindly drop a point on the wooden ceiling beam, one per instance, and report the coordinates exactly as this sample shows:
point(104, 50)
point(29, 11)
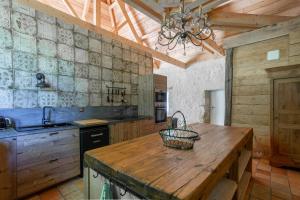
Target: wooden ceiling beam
point(196, 4)
point(77, 21)
point(247, 20)
point(230, 28)
point(124, 12)
point(212, 5)
point(85, 9)
point(70, 8)
point(265, 33)
point(97, 12)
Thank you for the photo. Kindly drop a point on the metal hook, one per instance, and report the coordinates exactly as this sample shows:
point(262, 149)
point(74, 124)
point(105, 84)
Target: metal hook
point(95, 176)
point(123, 194)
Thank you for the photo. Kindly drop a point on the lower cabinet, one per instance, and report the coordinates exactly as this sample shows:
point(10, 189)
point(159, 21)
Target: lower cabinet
point(123, 131)
point(46, 159)
point(8, 168)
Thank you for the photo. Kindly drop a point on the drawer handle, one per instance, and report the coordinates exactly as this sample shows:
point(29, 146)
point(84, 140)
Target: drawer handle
point(53, 160)
point(96, 141)
point(54, 133)
point(96, 135)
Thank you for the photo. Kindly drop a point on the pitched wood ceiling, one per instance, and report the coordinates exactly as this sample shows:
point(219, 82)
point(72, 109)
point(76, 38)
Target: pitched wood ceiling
point(138, 20)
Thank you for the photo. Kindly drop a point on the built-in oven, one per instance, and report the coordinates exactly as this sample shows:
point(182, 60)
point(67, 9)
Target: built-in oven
point(160, 114)
point(91, 138)
point(160, 96)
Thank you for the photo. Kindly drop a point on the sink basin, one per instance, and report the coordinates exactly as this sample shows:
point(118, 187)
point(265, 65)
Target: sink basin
point(40, 127)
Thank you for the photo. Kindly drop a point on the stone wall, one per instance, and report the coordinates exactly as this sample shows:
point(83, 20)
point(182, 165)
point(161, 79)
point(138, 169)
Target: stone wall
point(186, 87)
point(78, 64)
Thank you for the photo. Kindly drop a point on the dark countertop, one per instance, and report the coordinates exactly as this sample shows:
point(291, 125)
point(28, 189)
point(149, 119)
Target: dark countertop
point(11, 132)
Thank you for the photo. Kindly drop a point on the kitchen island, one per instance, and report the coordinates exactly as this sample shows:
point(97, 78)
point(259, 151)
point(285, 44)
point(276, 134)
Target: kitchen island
point(219, 164)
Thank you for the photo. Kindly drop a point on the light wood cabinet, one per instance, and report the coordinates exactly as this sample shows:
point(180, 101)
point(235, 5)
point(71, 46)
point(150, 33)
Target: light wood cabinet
point(8, 168)
point(46, 159)
point(285, 138)
point(123, 131)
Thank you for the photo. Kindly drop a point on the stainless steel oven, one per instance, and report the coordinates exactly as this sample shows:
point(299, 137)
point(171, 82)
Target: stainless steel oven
point(160, 114)
point(160, 96)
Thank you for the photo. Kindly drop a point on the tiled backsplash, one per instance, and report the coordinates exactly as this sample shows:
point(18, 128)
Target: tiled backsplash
point(78, 64)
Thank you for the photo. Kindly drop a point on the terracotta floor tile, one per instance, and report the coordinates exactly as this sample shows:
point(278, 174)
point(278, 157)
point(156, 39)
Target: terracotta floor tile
point(294, 176)
point(277, 178)
point(35, 197)
point(261, 191)
point(281, 191)
point(280, 171)
point(295, 189)
point(296, 197)
point(51, 194)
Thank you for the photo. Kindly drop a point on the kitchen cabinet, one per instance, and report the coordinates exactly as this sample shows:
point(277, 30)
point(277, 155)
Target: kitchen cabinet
point(8, 168)
point(45, 159)
point(123, 131)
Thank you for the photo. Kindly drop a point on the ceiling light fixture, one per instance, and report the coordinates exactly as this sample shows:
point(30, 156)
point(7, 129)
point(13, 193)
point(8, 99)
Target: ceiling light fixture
point(183, 27)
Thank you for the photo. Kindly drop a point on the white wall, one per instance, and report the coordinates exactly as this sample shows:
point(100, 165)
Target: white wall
point(186, 87)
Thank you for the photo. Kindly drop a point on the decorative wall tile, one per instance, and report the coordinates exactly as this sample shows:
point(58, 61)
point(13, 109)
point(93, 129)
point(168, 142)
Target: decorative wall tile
point(5, 38)
point(6, 79)
point(81, 70)
point(81, 85)
point(134, 100)
point(23, 23)
point(25, 80)
point(104, 100)
point(149, 70)
point(44, 17)
point(106, 74)
point(46, 30)
point(46, 47)
point(66, 68)
point(64, 25)
point(47, 98)
point(65, 52)
point(25, 61)
point(81, 41)
point(106, 48)
point(94, 72)
point(66, 99)
point(118, 64)
point(104, 86)
point(5, 17)
point(4, 3)
point(66, 83)
point(23, 42)
point(47, 65)
point(95, 58)
point(78, 29)
point(126, 77)
point(127, 66)
point(6, 97)
point(127, 99)
point(117, 76)
point(25, 99)
point(134, 57)
point(142, 59)
point(117, 52)
point(81, 56)
point(126, 54)
point(51, 80)
point(149, 62)
point(134, 78)
point(106, 61)
point(128, 88)
point(95, 45)
point(82, 99)
point(65, 36)
point(116, 43)
point(95, 99)
point(94, 86)
point(142, 70)
point(95, 35)
point(134, 68)
point(134, 88)
point(22, 9)
point(5, 59)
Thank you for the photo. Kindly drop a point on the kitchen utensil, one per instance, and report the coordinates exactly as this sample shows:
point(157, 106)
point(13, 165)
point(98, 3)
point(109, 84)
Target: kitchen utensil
point(5, 122)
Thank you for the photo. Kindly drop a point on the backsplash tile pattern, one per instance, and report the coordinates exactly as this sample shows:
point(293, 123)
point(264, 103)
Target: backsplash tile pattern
point(78, 64)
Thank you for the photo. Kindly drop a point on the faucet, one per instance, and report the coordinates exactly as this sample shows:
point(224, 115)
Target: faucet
point(47, 120)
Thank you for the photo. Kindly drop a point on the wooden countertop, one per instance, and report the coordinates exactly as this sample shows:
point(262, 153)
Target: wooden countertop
point(148, 168)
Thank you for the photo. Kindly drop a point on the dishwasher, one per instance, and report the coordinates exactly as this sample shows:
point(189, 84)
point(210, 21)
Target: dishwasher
point(92, 137)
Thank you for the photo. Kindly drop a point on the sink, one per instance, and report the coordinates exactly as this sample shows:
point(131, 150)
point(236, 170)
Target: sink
point(41, 127)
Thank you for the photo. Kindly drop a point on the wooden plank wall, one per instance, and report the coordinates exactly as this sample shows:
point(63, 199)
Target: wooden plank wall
point(251, 85)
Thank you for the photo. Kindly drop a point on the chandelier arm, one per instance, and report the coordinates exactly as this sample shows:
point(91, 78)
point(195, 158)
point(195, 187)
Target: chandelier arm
point(190, 38)
point(170, 41)
point(174, 45)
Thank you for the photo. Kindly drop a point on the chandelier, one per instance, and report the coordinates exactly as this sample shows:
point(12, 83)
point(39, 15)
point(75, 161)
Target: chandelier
point(184, 27)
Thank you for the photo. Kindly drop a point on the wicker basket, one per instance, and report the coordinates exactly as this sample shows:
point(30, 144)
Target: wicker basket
point(179, 138)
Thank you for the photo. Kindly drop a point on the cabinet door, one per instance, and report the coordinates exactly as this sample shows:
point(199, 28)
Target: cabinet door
point(46, 159)
point(7, 168)
point(286, 137)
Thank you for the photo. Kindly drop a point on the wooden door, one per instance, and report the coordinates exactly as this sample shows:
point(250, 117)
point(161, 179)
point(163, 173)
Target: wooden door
point(286, 122)
point(8, 168)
